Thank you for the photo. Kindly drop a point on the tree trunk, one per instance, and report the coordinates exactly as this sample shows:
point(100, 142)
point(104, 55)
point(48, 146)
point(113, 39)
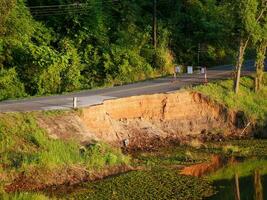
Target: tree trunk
point(258, 186)
point(155, 24)
point(261, 51)
point(239, 63)
point(237, 191)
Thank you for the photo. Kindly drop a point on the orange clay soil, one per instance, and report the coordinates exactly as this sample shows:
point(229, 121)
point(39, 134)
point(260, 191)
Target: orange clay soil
point(148, 118)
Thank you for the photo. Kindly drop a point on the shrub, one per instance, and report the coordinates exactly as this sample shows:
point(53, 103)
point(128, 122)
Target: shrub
point(71, 70)
point(125, 65)
point(164, 60)
point(10, 85)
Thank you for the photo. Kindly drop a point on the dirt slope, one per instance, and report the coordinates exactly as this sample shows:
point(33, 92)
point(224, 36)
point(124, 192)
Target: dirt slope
point(142, 120)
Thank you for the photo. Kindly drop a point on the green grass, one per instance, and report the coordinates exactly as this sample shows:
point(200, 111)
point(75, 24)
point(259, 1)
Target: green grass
point(23, 143)
point(25, 147)
point(24, 196)
point(241, 148)
point(243, 169)
point(253, 104)
point(172, 155)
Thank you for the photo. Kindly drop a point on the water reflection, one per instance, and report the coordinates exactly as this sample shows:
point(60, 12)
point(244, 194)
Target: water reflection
point(250, 187)
point(216, 162)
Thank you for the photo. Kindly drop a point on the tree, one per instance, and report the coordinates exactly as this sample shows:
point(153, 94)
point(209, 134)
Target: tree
point(5, 9)
point(261, 45)
point(248, 14)
point(261, 51)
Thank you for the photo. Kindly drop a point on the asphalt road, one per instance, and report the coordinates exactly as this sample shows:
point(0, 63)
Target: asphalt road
point(97, 96)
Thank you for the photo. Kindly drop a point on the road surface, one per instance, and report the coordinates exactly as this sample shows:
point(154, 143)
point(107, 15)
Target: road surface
point(97, 96)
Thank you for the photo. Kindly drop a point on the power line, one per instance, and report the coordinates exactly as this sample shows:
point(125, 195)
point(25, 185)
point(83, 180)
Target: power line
point(55, 6)
point(72, 5)
point(56, 11)
point(66, 8)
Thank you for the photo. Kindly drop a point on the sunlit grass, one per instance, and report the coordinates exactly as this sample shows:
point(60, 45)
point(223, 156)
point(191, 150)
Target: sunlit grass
point(242, 169)
point(23, 142)
point(25, 196)
point(253, 104)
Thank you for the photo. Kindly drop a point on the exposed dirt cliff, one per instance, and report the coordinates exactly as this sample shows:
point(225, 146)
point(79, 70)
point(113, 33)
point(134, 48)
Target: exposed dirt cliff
point(143, 120)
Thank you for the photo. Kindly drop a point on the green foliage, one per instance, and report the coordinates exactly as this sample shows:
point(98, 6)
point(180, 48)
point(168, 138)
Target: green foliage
point(71, 71)
point(100, 155)
point(23, 144)
point(253, 104)
point(154, 184)
point(243, 169)
point(173, 155)
point(238, 148)
point(6, 8)
point(24, 196)
point(125, 65)
point(109, 43)
point(10, 85)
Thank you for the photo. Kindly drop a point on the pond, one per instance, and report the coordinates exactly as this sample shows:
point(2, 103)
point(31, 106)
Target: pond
point(181, 172)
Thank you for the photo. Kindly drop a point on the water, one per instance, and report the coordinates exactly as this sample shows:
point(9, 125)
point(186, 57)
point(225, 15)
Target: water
point(162, 178)
point(226, 189)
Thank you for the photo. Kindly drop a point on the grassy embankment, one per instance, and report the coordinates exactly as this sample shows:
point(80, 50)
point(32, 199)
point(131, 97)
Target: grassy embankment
point(254, 105)
point(26, 148)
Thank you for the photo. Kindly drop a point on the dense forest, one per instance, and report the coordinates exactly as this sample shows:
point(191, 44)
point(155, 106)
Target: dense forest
point(55, 46)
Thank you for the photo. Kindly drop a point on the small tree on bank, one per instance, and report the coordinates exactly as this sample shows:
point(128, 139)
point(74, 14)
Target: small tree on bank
point(261, 45)
point(248, 15)
point(261, 51)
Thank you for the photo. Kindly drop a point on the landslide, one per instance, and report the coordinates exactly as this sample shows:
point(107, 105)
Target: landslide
point(143, 122)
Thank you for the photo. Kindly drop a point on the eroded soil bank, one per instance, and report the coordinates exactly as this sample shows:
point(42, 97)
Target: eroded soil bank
point(148, 120)
point(141, 123)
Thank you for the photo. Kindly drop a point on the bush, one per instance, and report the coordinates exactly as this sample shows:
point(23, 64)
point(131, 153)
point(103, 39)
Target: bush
point(10, 85)
point(125, 65)
point(100, 155)
point(71, 71)
point(164, 61)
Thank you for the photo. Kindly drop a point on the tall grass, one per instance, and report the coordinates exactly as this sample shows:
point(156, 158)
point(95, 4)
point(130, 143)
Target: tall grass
point(253, 104)
point(23, 143)
point(24, 196)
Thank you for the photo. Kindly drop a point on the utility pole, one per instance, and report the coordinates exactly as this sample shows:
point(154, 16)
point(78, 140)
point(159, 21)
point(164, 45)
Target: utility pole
point(198, 54)
point(155, 24)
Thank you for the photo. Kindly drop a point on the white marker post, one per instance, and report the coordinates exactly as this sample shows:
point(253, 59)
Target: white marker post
point(74, 102)
point(205, 76)
point(189, 69)
point(177, 70)
point(202, 70)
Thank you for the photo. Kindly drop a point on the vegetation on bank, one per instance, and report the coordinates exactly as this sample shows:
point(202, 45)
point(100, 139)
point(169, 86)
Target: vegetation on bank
point(25, 196)
point(26, 148)
point(254, 105)
point(23, 143)
point(158, 183)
